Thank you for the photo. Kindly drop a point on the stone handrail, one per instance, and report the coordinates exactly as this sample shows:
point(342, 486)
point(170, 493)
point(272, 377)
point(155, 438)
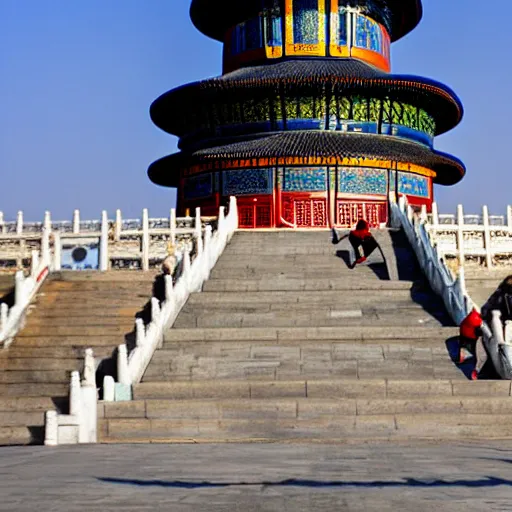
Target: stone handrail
point(120, 240)
point(471, 236)
point(25, 288)
point(452, 290)
point(80, 426)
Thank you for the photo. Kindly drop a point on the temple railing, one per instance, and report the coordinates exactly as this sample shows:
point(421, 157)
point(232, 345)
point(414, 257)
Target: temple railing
point(120, 243)
point(471, 239)
point(451, 288)
point(199, 257)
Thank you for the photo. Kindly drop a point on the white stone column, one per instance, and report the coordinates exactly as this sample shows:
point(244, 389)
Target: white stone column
point(51, 429)
point(140, 332)
point(233, 210)
point(76, 222)
point(57, 251)
point(123, 375)
point(45, 246)
point(435, 214)
point(145, 239)
point(460, 236)
point(34, 264)
point(47, 220)
point(19, 223)
point(155, 310)
point(104, 242)
point(89, 369)
point(109, 388)
point(74, 394)
point(169, 289)
point(2, 223)
point(487, 237)
point(509, 216)
point(198, 226)
point(19, 288)
point(119, 225)
point(172, 225)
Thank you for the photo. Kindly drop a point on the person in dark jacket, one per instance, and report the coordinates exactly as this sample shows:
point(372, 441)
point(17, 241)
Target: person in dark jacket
point(361, 239)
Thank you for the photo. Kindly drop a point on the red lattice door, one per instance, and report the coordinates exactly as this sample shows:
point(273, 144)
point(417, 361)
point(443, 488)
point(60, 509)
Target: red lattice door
point(256, 215)
point(350, 212)
point(310, 213)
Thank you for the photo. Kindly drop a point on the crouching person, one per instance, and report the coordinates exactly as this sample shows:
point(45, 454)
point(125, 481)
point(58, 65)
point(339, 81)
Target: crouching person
point(361, 240)
point(470, 331)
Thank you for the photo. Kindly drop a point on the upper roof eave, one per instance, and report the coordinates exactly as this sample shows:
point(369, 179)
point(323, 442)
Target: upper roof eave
point(214, 17)
point(345, 73)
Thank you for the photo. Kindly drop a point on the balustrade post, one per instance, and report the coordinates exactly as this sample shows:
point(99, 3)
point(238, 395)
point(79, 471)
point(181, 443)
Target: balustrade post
point(74, 394)
point(51, 429)
point(19, 288)
point(198, 226)
point(401, 203)
point(140, 332)
point(487, 237)
point(45, 246)
point(172, 225)
point(4, 315)
point(57, 247)
point(145, 239)
point(155, 310)
point(104, 242)
point(123, 375)
point(119, 225)
point(435, 214)
point(2, 223)
point(109, 388)
point(509, 217)
point(34, 264)
point(222, 219)
point(233, 212)
point(199, 244)
point(76, 222)
point(207, 250)
point(423, 214)
point(47, 220)
point(19, 223)
point(168, 288)
point(89, 369)
point(460, 235)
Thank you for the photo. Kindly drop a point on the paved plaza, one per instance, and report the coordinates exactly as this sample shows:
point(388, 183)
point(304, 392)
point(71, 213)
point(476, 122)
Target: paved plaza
point(252, 477)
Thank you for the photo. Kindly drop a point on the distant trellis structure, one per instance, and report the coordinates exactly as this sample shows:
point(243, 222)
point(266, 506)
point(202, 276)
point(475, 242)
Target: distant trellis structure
point(307, 126)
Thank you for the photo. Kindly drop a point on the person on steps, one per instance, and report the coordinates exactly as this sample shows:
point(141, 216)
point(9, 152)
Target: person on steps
point(361, 239)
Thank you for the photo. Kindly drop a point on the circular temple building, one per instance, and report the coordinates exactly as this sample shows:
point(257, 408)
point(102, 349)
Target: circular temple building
point(307, 126)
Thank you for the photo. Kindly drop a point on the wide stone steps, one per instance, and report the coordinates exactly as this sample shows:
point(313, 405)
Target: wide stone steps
point(278, 348)
point(73, 311)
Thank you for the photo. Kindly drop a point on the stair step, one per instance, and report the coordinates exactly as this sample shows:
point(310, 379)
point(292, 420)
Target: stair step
point(18, 351)
point(34, 404)
point(309, 333)
point(290, 284)
point(36, 376)
point(352, 317)
point(21, 418)
point(340, 428)
point(83, 331)
point(64, 340)
point(321, 388)
point(33, 390)
point(14, 436)
point(38, 363)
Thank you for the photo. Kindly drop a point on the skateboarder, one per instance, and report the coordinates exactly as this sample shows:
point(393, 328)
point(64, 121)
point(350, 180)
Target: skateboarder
point(361, 240)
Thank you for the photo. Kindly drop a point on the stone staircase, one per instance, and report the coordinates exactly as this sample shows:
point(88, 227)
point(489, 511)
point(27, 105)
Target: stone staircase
point(286, 343)
point(72, 311)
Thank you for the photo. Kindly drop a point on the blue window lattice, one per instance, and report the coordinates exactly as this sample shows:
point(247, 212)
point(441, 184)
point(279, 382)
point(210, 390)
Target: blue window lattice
point(362, 181)
point(305, 180)
point(198, 187)
point(248, 181)
point(305, 21)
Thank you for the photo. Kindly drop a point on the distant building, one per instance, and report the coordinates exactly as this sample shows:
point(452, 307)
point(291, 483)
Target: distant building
point(307, 127)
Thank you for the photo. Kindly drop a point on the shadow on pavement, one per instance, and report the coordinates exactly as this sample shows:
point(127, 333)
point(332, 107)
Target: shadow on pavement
point(488, 481)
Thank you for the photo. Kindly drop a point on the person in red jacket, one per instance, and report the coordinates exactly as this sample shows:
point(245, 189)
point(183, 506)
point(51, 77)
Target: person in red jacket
point(361, 239)
point(469, 331)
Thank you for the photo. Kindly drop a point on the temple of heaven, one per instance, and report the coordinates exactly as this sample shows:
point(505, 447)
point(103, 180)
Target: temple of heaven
point(307, 126)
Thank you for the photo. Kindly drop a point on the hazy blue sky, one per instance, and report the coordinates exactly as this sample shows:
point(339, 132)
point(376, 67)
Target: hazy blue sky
point(77, 78)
